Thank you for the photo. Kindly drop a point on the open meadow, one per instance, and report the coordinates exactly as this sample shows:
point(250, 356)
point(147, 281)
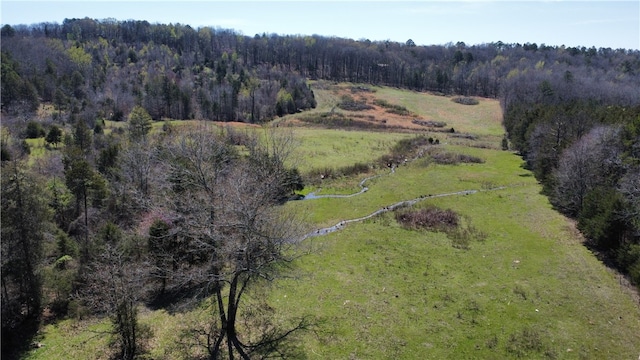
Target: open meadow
point(513, 280)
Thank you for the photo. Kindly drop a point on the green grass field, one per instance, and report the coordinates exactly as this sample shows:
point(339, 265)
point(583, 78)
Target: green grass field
point(482, 119)
point(528, 288)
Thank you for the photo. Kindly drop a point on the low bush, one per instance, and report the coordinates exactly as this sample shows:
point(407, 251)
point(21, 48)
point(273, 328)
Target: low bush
point(429, 123)
point(357, 89)
point(407, 146)
point(628, 258)
point(315, 176)
point(34, 130)
point(431, 218)
point(393, 108)
point(465, 100)
point(403, 150)
point(450, 158)
point(350, 104)
point(333, 120)
point(528, 342)
point(458, 229)
point(463, 135)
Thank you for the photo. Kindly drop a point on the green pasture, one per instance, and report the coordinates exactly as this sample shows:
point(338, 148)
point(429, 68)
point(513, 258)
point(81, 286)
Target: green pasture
point(321, 148)
point(482, 119)
point(419, 178)
point(529, 289)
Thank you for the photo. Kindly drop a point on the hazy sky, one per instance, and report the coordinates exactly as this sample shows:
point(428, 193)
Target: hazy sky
point(614, 24)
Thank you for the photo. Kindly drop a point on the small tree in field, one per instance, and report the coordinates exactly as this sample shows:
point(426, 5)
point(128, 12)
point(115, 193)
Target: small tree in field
point(139, 123)
point(54, 136)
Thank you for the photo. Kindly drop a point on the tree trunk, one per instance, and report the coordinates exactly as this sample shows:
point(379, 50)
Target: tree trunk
point(215, 352)
point(31, 283)
point(232, 311)
point(86, 224)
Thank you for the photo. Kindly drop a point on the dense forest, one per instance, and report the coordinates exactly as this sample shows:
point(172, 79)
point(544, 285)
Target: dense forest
point(572, 113)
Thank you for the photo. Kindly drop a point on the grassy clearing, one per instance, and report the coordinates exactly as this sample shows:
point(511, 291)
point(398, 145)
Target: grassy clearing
point(482, 119)
point(320, 148)
point(419, 178)
point(382, 291)
point(37, 147)
point(72, 339)
point(529, 289)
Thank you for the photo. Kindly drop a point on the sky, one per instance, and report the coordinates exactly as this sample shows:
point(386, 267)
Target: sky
point(599, 23)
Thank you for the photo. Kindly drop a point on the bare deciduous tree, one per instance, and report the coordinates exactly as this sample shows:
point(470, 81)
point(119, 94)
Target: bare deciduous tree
point(114, 286)
point(226, 209)
point(592, 161)
point(630, 190)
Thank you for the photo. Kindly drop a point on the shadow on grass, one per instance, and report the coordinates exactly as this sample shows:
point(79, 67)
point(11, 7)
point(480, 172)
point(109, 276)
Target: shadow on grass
point(18, 339)
point(176, 299)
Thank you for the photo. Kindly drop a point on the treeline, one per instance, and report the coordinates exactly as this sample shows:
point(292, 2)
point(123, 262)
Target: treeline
point(105, 67)
point(580, 135)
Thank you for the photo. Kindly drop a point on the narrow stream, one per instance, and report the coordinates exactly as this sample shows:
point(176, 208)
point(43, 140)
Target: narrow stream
point(363, 189)
point(341, 224)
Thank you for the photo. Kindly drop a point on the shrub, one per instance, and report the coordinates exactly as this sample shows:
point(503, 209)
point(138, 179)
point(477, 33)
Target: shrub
point(237, 138)
point(451, 158)
point(463, 136)
point(520, 344)
point(598, 218)
point(628, 257)
point(54, 136)
point(392, 108)
point(350, 104)
point(407, 146)
point(62, 262)
point(465, 100)
point(317, 175)
point(355, 169)
point(523, 344)
point(458, 229)
point(505, 143)
point(403, 149)
point(34, 130)
point(334, 120)
point(25, 149)
point(356, 89)
point(430, 218)
point(429, 123)
point(5, 154)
